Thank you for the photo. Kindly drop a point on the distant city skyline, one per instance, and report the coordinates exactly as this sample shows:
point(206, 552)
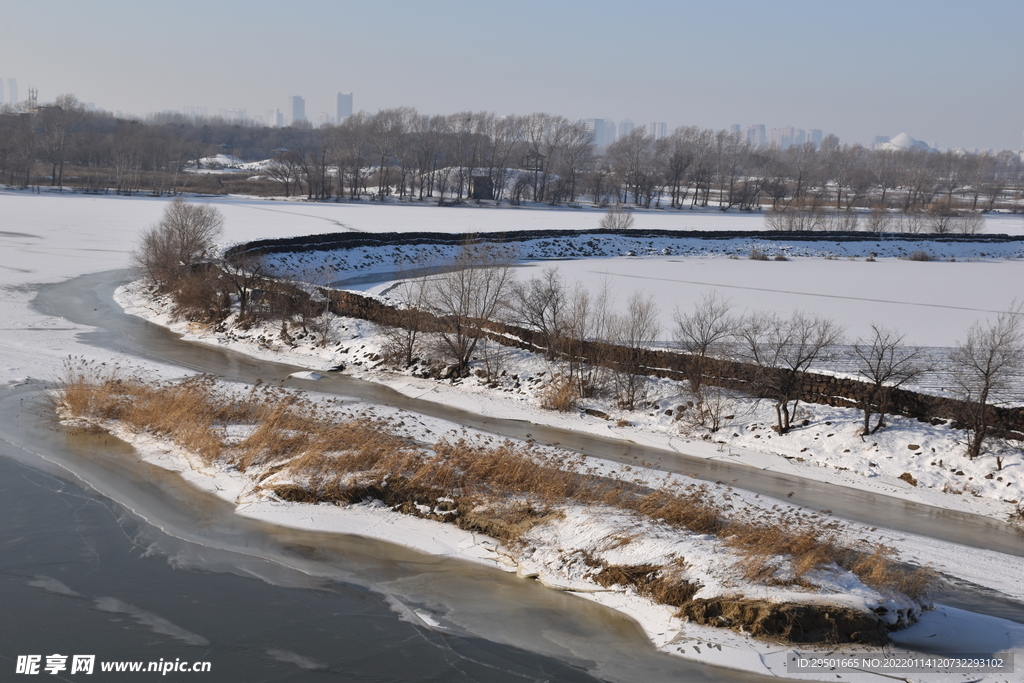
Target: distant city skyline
point(606, 131)
point(858, 70)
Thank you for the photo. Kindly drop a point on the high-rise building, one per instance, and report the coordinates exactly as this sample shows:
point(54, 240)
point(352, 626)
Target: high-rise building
point(781, 137)
point(1, 92)
point(734, 130)
point(298, 109)
point(603, 131)
point(344, 106)
point(799, 137)
point(816, 138)
point(756, 136)
point(625, 127)
point(659, 129)
point(12, 90)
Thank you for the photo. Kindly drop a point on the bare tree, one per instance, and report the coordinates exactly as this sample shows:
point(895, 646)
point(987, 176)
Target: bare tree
point(984, 368)
point(575, 150)
point(285, 169)
point(710, 410)
point(300, 297)
point(539, 303)
point(21, 138)
point(886, 364)
point(634, 331)
point(185, 234)
point(472, 292)
point(244, 274)
point(632, 159)
point(680, 156)
point(404, 337)
point(128, 151)
point(710, 327)
point(386, 128)
point(58, 119)
point(781, 350)
point(587, 319)
point(617, 218)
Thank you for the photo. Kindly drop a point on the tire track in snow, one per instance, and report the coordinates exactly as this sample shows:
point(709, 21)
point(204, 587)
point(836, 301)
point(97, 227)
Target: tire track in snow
point(788, 291)
point(304, 215)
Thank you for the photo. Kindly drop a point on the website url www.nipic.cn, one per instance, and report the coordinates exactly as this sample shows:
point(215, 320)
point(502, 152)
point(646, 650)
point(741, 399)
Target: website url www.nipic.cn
point(87, 664)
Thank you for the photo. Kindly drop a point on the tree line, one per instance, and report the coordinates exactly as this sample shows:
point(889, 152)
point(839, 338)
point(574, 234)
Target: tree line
point(445, 323)
point(539, 157)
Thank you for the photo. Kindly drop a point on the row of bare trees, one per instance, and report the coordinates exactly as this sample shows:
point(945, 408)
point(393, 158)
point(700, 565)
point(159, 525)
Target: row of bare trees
point(706, 167)
point(401, 153)
point(982, 368)
point(537, 157)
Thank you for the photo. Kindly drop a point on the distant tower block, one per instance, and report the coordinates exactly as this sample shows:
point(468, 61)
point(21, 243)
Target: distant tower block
point(12, 90)
point(344, 106)
point(298, 109)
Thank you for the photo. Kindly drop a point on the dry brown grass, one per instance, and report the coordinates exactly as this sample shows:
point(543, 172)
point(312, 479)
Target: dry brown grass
point(305, 452)
point(663, 585)
point(185, 412)
point(560, 394)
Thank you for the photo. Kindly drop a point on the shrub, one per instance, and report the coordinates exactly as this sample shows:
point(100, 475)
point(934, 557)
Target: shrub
point(757, 254)
point(198, 297)
point(617, 218)
point(880, 220)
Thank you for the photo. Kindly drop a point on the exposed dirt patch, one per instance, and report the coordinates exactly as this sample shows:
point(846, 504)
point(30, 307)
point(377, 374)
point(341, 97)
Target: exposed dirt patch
point(788, 622)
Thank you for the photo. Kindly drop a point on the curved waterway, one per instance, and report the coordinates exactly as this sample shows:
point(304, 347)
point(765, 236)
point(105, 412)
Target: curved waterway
point(107, 555)
point(88, 300)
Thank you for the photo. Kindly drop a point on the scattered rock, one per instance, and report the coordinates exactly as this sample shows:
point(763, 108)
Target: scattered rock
point(913, 447)
point(909, 478)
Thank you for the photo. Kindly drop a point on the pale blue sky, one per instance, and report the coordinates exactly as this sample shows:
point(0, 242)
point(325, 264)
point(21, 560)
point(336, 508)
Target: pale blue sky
point(945, 72)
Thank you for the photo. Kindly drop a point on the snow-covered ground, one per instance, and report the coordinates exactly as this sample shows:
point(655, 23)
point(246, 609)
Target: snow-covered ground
point(49, 238)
